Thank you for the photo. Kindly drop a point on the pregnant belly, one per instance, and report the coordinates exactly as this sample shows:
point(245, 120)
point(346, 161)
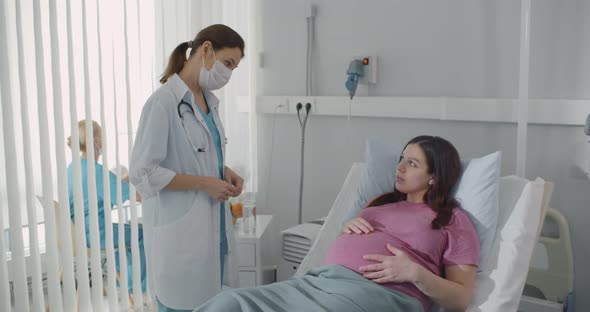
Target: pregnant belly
point(348, 250)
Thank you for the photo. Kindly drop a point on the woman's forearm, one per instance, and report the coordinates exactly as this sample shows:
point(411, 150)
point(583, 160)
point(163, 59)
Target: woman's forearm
point(448, 294)
point(182, 182)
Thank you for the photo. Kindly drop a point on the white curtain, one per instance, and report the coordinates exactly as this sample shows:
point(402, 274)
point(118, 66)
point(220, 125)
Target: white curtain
point(67, 60)
point(64, 61)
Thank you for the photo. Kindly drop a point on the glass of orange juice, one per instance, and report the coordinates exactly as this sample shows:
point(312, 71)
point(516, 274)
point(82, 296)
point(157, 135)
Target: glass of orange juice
point(235, 207)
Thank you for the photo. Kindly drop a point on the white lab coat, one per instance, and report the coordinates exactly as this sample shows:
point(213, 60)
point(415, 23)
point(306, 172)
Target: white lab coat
point(181, 228)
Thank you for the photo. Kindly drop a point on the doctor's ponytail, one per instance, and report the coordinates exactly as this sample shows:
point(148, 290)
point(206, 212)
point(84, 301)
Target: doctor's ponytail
point(220, 36)
point(176, 61)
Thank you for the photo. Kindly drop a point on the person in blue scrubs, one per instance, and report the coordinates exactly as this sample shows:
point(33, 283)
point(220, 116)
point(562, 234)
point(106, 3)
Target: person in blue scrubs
point(100, 201)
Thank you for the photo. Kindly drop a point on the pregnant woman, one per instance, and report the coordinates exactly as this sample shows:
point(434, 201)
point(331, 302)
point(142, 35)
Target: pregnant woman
point(405, 250)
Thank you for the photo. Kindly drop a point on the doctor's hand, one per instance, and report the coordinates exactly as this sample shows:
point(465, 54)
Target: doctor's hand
point(234, 179)
point(398, 268)
point(358, 226)
point(219, 189)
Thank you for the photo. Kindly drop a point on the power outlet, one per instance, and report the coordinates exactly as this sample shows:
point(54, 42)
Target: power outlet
point(293, 101)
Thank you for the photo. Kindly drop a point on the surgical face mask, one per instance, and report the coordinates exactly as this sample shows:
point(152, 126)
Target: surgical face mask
point(214, 78)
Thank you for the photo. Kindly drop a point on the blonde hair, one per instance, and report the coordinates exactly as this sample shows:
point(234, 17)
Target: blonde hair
point(96, 132)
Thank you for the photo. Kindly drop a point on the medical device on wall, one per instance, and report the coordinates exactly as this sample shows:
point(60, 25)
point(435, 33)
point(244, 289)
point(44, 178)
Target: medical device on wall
point(361, 72)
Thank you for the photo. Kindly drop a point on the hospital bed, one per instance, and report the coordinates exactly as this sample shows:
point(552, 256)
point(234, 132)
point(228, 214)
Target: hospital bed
point(523, 205)
point(550, 283)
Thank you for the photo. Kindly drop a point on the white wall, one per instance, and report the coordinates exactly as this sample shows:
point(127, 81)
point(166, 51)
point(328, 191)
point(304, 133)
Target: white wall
point(425, 48)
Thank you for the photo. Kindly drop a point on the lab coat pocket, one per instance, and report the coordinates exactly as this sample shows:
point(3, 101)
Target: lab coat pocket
point(180, 245)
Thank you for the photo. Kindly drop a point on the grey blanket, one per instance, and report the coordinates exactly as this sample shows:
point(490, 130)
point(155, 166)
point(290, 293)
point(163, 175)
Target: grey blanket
point(330, 288)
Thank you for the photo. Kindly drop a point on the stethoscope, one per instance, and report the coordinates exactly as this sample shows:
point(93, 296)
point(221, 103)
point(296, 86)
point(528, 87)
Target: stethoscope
point(201, 149)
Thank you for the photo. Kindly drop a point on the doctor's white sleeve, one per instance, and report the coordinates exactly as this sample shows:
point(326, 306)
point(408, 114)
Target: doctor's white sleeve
point(150, 148)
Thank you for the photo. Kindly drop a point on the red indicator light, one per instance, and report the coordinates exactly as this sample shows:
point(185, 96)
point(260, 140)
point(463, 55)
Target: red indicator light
point(366, 61)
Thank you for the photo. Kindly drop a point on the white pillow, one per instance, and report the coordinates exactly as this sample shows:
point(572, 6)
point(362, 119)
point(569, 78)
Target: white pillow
point(378, 177)
point(477, 192)
point(477, 189)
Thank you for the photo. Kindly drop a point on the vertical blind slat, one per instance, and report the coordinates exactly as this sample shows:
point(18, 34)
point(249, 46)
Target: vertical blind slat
point(66, 249)
point(37, 284)
point(55, 296)
point(17, 267)
point(96, 272)
point(4, 287)
point(148, 31)
point(123, 283)
point(137, 294)
point(110, 252)
point(81, 256)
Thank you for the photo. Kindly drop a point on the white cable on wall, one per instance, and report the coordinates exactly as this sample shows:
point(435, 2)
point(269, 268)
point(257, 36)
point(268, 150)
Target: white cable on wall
point(523, 88)
point(253, 36)
point(136, 265)
point(38, 299)
point(66, 251)
point(106, 179)
point(309, 51)
point(19, 277)
point(81, 257)
point(95, 253)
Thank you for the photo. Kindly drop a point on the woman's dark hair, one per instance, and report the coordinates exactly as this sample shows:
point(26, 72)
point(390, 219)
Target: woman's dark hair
point(219, 35)
point(445, 166)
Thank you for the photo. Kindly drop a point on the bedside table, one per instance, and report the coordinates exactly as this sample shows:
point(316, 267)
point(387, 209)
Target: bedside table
point(249, 252)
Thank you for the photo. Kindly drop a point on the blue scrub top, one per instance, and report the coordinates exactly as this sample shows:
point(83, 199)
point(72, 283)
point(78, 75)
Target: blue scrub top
point(99, 195)
point(217, 141)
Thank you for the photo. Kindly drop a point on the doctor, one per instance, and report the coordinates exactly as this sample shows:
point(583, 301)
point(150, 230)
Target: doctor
point(177, 167)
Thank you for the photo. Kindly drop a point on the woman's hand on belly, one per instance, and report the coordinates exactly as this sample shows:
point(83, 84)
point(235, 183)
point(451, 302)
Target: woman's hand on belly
point(358, 226)
point(396, 268)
